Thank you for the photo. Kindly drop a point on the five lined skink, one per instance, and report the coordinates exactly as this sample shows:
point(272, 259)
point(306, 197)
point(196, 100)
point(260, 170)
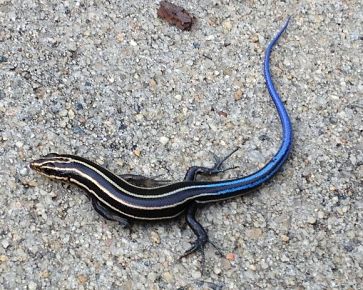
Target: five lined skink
point(122, 198)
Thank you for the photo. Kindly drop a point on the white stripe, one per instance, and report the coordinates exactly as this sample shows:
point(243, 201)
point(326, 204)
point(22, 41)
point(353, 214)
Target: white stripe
point(116, 209)
point(121, 201)
point(123, 189)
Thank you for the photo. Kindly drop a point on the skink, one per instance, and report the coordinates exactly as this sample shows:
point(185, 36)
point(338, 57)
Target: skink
point(122, 198)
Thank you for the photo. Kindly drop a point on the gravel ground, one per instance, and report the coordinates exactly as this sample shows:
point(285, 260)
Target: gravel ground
point(110, 81)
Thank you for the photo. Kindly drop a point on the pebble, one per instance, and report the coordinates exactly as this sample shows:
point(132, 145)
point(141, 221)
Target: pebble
point(153, 84)
point(63, 113)
point(32, 285)
point(164, 140)
point(284, 258)
point(154, 237)
point(321, 214)
point(71, 46)
point(120, 37)
point(128, 285)
point(151, 276)
point(217, 270)
point(238, 95)
point(168, 277)
point(82, 279)
point(5, 244)
point(137, 152)
point(252, 267)
point(254, 233)
point(227, 25)
point(196, 274)
point(133, 43)
point(264, 265)
point(3, 59)
point(71, 114)
point(210, 37)
point(231, 256)
point(23, 171)
point(19, 144)
point(284, 238)
point(311, 220)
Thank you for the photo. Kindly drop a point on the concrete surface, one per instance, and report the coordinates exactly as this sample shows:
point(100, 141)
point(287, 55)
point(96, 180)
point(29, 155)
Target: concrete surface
point(111, 82)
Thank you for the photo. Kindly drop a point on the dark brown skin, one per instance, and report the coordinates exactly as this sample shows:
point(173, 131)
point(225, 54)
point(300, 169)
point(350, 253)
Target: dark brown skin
point(175, 15)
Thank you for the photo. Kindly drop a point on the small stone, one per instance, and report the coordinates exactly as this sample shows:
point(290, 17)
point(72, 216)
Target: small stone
point(63, 113)
point(226, 264)
point(3, 259)
point(63, 123)
point(335, 199)
point(128, 285)
point(71, 114)
point(227, 25)
point(254, 233)
point(164, 140)
point(196, 274)
point(120, 37)
point(2, 95)
point(168, 277)
point(154, 237)
point(139, 117)
point(32, 285)
point(71, 46)
point(23, 171)
point(264, 265)
point(40, 92)
point(254, 38)
point(82, 279)
point(252, 267)
point(137, 152)
point(44, 274)
point(284, 238)
point(178, 97)
point(231, 256)
point(222, 114)
point(311, 220)
point(217, 270)
point(340, 210)
point(133, 42)
point(238, 95)
point(3, 59)
point(210, 37)
point(320, 215)
point(284, 258)
point(359, 171)
point(151, 276)
point(152, 84)
point(5, 244)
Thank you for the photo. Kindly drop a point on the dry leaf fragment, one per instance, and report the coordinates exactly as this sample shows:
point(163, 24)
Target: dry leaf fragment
point(175, 15)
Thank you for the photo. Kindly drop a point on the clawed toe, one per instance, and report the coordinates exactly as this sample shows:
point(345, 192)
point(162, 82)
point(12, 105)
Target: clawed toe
point(197, 246)
point(220, 253)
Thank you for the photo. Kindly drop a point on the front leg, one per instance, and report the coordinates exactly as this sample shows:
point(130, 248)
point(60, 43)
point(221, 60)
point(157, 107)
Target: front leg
point(108, 213)
point(194, 171)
